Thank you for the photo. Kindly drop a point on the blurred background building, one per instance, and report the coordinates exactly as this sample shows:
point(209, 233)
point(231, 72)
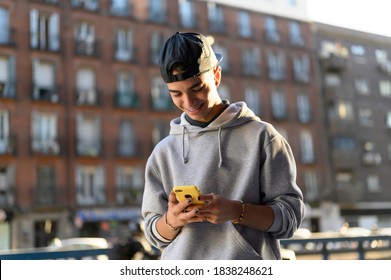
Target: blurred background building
point(82, 105)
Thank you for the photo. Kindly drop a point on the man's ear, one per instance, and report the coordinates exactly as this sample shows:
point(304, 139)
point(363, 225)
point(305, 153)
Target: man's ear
point(217, 75)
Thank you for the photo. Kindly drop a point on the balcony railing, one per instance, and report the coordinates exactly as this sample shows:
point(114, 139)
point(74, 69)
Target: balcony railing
point(7, 196)
point(49, 196)
point(46, 94)
point(88, 97)
point(9, 39)
point(126, 99)
point(95, 196)
point(334, 62)
point(86, 48)
point(8, 145)
point(46, 146)
point(89, 148)
point(7, 90)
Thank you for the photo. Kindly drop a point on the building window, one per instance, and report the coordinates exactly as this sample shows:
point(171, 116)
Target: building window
point(4, 26)
point(218, 48)
point(276, 64)
point(253, 99)
point(156, 42)
point(341, 110)
point(126, 96)
point(90, 182)
point(295, 34)
point(160, 131)
point(279, 105)
point(90, 5)
point(388, 120)
point(187, 13)
point(361, 85)
point(85, 87)
point(7, 185)
point(244, 24)
point(344, 144)
point(161, 99)
point(271, 30)
point(307, 147)
point(127, 139)
point(120, 7)
point(332, 80)
point(216, 18)
point(45, 192)
point(129, 185)
point(7, 77)
point(303, 108)
point(44, 31)
point(157, 10)
point(357, 50)
point(44, 81)
point(311, 184)
point(5, 140)
point(124, 46)
point(373, 184)
point(251, 62)
point(385, 88)
point(88, 135)
point(85, 43)
point(301, 69)
point(365, 117)
point(44, 133)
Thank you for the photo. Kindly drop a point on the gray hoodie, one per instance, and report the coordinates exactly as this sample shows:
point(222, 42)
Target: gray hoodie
point(239, 157)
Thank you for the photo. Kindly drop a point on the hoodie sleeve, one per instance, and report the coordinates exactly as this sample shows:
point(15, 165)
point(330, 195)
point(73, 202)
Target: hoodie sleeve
point(278, 176)
point(154, 205)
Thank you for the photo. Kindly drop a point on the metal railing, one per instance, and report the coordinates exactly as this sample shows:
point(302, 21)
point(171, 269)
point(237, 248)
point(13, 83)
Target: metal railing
point(338, 245)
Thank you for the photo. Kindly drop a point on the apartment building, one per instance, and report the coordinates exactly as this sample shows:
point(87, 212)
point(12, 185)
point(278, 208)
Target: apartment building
point(355, 73)
point(82, 105)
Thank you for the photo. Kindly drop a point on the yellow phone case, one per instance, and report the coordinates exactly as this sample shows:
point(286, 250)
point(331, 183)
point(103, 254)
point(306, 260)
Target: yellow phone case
point(188, 191)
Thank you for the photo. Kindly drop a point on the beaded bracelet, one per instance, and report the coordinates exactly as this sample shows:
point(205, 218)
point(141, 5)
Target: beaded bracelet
point(167, 223)
point(241, 214)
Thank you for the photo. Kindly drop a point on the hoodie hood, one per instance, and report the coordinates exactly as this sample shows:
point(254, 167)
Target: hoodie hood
point(236, 114)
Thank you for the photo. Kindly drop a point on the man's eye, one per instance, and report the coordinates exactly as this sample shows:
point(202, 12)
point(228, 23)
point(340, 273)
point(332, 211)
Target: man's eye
point(199, 89)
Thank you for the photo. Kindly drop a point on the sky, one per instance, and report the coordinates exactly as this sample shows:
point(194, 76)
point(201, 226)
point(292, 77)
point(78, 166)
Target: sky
point(373, 16)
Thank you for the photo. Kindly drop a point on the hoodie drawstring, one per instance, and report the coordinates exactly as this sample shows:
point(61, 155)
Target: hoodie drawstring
point(184, 156)
point(185, 159)
point(220, 152)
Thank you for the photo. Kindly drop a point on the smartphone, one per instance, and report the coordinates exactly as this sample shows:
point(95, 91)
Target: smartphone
point(188, 191)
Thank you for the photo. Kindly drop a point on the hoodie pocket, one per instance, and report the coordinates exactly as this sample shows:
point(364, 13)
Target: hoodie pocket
point(242, 242)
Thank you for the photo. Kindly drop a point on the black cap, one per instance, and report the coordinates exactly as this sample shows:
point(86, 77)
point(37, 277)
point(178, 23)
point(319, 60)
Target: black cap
point(192, 49)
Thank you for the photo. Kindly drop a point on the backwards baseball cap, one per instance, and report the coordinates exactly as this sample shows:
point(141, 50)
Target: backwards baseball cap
point(191, 49)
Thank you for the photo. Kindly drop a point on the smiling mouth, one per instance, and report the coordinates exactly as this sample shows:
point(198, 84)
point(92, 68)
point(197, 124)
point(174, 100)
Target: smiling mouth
point(194, 110)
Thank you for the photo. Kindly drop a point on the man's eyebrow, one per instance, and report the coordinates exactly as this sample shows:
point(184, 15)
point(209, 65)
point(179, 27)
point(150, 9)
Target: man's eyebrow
point(192, 87)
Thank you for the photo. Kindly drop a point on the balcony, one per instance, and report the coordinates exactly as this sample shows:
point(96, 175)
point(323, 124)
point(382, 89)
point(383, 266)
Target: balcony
point(45, 146)
point(87, 48)
point(7, 90)
point(8, 145)
point(128, 148)
point(121, 11)
point(87, 97)
point(88, 5)
point(7, 196)
point(334, 62)
point(126, 99)
point(45, 94)
point(126, 55)
point(385, 67)
point(53, 2)
point(49, 196)
point(129, 195)
point(90, 195)
point(8, 38)
point(89, 148)
point(162, 104)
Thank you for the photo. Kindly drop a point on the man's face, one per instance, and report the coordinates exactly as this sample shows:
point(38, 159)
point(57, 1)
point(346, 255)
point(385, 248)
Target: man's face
point(198, 96)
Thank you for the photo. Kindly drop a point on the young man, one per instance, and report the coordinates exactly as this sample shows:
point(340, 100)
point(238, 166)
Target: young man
point(242, 166)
